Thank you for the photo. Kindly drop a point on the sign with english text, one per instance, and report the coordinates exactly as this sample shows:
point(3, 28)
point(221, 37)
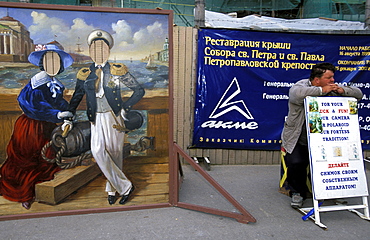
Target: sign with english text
point(244, 78)
point(337, 168)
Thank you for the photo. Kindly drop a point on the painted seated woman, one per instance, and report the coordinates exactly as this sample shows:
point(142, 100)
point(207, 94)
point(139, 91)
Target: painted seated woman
point(43, 106)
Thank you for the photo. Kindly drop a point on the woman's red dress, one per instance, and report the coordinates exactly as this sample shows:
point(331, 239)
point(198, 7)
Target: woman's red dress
point(24, 166)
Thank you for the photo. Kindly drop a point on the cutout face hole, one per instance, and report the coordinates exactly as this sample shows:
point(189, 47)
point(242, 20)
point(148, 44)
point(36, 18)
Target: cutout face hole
point(51, 62)
point(99, 51)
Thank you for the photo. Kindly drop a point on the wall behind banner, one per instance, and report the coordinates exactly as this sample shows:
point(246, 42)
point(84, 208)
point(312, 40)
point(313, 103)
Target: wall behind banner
point(185, 52)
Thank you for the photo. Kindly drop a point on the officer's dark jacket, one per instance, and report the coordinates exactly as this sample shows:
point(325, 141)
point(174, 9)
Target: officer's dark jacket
point(114, 75)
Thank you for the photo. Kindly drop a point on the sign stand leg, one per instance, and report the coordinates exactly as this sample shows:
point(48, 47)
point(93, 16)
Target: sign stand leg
point(311, 213)
point(317, 214)
point(314, 214)
point(365, 205)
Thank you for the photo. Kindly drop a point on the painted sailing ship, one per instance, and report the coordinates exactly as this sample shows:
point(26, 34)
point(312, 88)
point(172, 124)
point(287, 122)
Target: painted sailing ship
point(151, 65)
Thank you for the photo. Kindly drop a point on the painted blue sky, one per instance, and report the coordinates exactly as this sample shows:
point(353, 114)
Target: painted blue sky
point(135, 35)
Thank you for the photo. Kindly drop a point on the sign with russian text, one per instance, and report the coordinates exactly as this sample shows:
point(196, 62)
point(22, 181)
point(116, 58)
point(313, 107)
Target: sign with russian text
point(337, 168)
point(244, 78)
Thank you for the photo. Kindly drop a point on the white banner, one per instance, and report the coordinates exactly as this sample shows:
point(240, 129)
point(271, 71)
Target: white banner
point(337, 167)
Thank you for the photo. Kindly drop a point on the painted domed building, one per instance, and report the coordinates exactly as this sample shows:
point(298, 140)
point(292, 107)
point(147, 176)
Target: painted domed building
point(15, 41)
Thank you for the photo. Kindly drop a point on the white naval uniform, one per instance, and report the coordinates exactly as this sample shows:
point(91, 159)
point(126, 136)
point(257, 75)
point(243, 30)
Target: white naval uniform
point(107, 145)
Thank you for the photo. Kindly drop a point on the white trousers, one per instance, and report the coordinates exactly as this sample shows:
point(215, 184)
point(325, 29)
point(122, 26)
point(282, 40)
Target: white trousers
point(107, 150)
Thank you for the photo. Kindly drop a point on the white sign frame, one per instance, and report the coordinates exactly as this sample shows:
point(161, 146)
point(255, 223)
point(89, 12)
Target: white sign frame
point(336, 160)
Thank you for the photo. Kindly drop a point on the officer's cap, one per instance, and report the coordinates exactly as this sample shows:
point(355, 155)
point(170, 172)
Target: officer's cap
point(100, 34)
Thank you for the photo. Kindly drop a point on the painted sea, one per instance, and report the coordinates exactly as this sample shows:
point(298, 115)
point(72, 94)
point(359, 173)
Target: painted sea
point(17, 77)
point(12, 80)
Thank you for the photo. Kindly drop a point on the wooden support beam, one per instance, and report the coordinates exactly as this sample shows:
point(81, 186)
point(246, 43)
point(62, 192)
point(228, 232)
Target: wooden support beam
point(65, 183)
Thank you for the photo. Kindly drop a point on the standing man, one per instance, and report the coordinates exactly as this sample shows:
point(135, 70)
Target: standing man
point(294, 135)
point(102, 83)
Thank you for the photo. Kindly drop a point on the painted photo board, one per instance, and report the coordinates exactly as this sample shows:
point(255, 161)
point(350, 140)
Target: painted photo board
point(337, 168)
point(135, 46)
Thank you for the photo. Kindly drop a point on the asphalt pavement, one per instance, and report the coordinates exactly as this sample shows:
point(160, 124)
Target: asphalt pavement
point(255, 187)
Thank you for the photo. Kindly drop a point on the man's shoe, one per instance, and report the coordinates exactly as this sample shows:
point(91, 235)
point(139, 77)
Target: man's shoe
point(111, 199)
point(126, 197)
point(297, 201)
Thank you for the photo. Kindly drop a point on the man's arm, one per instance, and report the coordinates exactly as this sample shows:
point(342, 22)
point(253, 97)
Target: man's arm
point(349, 91)
point(138, 93)
point(77, 96)
point(79, 89)
point(302, 89)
